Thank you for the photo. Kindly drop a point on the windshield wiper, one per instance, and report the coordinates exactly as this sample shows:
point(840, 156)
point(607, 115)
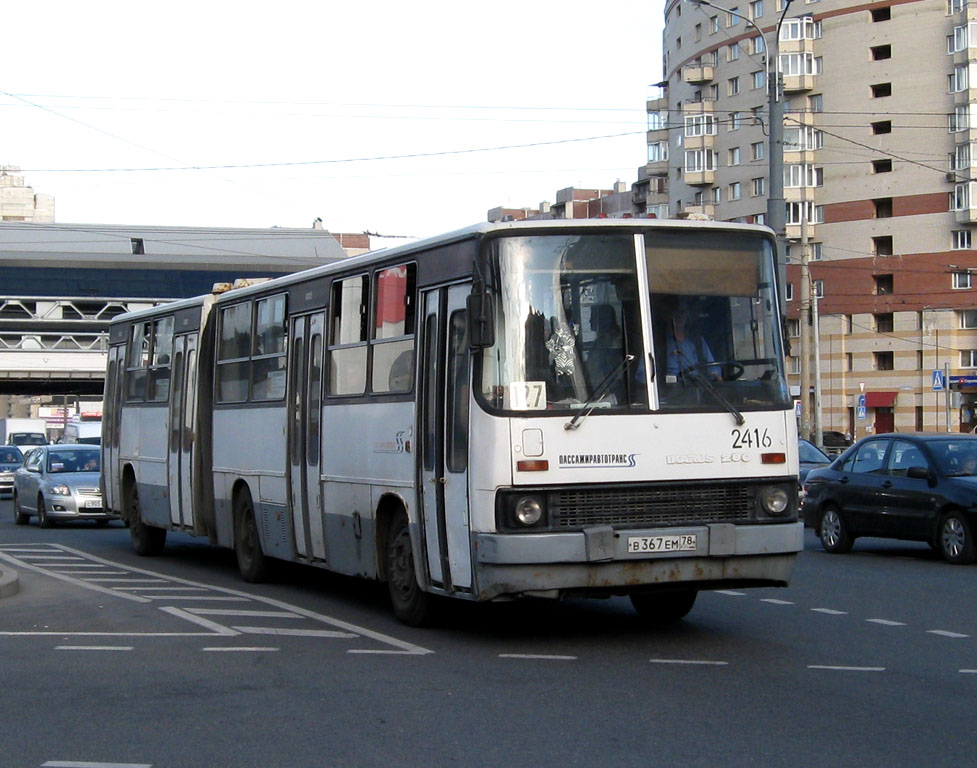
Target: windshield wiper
point(694, 374)
point(599, 392)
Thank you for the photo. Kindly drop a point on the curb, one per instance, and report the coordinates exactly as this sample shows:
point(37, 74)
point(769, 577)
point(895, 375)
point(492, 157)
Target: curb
point(9, 582)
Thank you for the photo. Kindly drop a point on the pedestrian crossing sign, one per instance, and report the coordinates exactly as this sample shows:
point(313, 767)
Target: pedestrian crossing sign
point(938, 383)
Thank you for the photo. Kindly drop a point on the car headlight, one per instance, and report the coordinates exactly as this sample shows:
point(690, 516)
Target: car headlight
point(774, 500)
point(61, 490)
point(528, 510)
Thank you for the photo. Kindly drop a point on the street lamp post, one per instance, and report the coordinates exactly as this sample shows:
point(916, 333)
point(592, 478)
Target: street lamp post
point(776, 205)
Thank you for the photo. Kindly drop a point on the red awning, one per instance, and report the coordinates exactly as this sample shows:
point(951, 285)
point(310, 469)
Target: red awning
point(880, 399)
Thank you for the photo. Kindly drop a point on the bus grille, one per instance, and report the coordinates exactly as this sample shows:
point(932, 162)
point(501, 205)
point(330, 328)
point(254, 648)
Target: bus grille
point(639, 507)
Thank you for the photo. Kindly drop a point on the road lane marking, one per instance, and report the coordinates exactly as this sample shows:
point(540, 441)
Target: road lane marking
point(77, 764)
point(20, 563)
point(691, 662)
point(539, 656)
point(167, 589)
point(830, 611)
point(968, 671)
point(235, 612)
point(132, 581)
point(218, 598)
point(240, 648)
point(295, 632)
point(93, 647)
point(886, 622)
point(730, 592)
point(218, 629)
point(774, 601)
point(945, 633)
point(836, 668)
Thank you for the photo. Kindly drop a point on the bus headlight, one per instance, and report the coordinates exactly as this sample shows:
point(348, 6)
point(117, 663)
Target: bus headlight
point(528, 510)
point(774, 500)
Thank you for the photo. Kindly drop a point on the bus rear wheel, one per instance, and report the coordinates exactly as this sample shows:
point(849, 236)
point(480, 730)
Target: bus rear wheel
point(251, 561)
point(659, 609)
point(147, 541)
point(411, 604)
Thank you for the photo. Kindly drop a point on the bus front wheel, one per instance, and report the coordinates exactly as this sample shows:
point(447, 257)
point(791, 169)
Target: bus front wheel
point(660, 609)
point(411, 604)
point(147, 540)
point(251, 561)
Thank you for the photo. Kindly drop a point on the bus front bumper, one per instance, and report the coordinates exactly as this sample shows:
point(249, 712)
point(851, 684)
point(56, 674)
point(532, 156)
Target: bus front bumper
point(598, 559)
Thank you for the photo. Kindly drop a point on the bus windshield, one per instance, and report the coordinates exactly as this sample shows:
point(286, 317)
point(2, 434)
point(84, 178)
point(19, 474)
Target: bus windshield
point(570, 323)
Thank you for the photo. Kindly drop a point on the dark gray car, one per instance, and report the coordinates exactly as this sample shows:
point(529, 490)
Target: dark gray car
point(59, 482)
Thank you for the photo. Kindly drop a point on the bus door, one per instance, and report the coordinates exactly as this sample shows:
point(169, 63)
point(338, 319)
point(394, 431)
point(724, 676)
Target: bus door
point(304, 434)
point(112, 426)
point(179, 465)
point(444, 392)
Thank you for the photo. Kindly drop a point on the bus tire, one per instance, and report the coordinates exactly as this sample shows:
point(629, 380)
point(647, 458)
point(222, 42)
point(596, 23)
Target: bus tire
point(659, 609)
point(147, 541)
point(251, 561)
point(411, 604)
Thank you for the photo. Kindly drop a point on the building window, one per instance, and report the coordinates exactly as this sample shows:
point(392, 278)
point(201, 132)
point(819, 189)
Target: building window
point(882, 126)
point(803, 175)
point(795, 364)
point(882, 207)
point(698, 32)
point(756, 9)
point(959, 119)
point(884, 361)
point(733, 17)
point(819, 289)
point(794, 328)
point(881, 14)
point(817, 251)
point(137, 245)
point(884, 322)
point(956, 81)
point(713, 25)
point(968, 319)
point(880, 52)
point(800, 138)
point(883, 284)
point(700, 125)
point(847, 325)
point(849, 362)
point(961, 239)
point(757, 186)
point(734, 120)
point(968, 358)
point(757, 150)
point(881, 90)
point(919, 359)
point(759, 79)
point(733, 156)
point(789, 292)
point(815, 102)
point(881, 166)
point(962, 280)
point(801, 28)
point(733, 52)
point(698, 160)
point(799, 64)
point(735, 192)
point(960, 197)
point(732, 86)
point(757, 46)
point(795, 213)
point(882, 246)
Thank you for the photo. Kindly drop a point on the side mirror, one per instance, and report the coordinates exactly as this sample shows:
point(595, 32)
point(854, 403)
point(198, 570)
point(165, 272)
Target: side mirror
point(481, 320)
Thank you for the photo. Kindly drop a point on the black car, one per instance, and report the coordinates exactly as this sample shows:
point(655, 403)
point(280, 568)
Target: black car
point(920, 487)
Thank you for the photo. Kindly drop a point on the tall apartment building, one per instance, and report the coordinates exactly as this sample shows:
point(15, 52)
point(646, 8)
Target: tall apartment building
point(19, 202)
point(880, 127)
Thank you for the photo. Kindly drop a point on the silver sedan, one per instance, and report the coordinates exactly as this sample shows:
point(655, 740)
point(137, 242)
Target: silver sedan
point(59, 482)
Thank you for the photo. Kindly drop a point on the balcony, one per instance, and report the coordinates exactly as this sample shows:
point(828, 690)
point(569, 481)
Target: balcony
point(799, 83)
point(708, 210)
point(699, 178)
point(698, 74)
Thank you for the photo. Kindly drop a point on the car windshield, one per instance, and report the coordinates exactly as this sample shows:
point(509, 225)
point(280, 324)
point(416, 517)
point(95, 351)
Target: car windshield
point(957, 458)
point(810, 454)
point(10, 455)
point(73, 461)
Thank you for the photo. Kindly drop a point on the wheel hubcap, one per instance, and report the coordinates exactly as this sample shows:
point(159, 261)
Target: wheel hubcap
point(953, 537)
point(830, 528)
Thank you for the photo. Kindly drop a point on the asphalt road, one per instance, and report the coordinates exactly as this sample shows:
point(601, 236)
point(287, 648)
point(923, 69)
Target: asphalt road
point(110, 659)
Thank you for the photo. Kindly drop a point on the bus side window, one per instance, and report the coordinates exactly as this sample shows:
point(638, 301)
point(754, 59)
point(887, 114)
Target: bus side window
point(233, 366)
point(393, 330)
point(348, 339)
point(456, 452)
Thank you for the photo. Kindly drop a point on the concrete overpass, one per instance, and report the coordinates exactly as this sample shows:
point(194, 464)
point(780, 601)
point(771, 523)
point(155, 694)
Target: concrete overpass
point(60, 284)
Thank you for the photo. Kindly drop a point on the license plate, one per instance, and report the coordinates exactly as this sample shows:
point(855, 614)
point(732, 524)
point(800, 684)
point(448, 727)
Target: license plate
point(684, 542)
point(93, 504)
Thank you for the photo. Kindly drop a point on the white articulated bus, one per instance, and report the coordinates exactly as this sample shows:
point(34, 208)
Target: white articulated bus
point(534, 408)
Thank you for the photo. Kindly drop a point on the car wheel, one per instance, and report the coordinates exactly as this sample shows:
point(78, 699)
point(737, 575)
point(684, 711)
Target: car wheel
point(664, 608)
point(42, 519)
point(147, 541)
point(20, 517)
point(411, 604)
point(956, 541)
point(251, 561)
point(833, 532)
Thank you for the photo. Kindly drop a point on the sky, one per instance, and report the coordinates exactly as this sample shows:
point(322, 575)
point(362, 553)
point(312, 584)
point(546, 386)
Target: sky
point(399, 119)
